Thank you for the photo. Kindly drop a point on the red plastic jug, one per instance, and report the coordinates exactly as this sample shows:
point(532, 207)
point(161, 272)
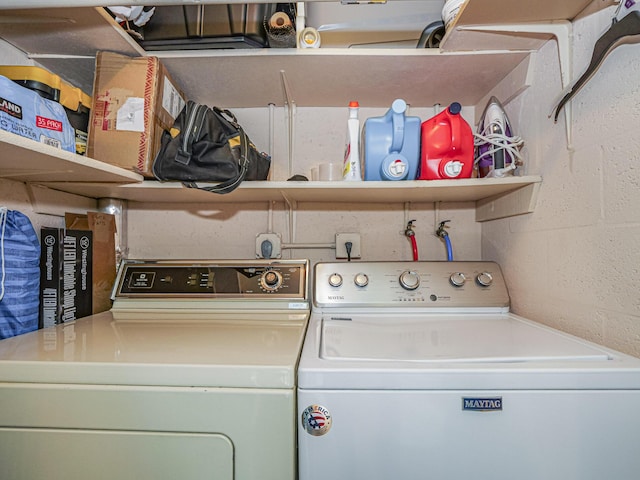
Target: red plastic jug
point(447, 146)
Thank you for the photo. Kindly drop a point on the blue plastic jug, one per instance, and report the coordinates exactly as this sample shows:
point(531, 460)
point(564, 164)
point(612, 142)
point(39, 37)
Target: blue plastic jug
point(392, 145)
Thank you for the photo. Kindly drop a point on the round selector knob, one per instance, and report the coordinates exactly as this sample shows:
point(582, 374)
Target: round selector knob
point(271, 280)
point(409, 280)
point(361, 280)
point(335, 280)
point(457, 279)
point(484, 279)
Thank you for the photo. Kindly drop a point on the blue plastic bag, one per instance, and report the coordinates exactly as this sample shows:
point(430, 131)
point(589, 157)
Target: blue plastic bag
point(19, 274)
point(25, 113)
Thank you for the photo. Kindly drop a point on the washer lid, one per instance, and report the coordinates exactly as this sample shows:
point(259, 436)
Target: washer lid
point(451, 338)
point(256, 350)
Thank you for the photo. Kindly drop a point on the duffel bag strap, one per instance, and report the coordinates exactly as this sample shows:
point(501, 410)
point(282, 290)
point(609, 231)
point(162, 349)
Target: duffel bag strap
point(230, 185)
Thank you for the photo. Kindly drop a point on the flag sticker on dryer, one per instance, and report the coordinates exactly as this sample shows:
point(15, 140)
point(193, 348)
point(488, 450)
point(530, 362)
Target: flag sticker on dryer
point(482, 404)
point(316, 420)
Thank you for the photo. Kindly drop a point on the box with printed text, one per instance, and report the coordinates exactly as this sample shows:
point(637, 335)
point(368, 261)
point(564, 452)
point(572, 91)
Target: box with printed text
point(66, 291)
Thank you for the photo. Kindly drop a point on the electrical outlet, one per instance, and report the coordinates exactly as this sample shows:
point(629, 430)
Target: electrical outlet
point(275, 245)
point(341, 249)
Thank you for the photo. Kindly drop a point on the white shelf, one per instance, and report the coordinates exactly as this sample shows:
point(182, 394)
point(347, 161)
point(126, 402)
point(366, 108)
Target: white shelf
point(509, 12)
point(495, 198)
point(332, 77)
point(65, 40)
point(26, 160)
point(29, 161)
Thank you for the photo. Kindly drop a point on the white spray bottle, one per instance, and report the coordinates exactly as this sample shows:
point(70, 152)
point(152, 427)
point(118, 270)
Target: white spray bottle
point(351, 169)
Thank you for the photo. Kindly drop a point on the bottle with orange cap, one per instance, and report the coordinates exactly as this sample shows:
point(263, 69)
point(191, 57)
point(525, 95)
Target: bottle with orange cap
point(351, 170)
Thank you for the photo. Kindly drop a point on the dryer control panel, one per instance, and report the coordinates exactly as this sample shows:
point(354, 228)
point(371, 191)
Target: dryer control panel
point(410, 284)
point(218, 279)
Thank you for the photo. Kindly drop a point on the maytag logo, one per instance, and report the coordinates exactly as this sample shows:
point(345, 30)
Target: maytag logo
point(336, 297)
point(482, 404)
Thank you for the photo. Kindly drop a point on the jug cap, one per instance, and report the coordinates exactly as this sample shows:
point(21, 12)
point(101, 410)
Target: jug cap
point(353, 104)
point(399, 106)
point(455, 108)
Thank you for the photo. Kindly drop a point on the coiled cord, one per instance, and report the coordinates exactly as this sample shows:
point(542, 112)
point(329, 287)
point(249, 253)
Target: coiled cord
point(509, 145)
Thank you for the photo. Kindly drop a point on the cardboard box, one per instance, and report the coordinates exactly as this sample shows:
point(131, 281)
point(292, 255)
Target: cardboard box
point(134, 101)
point(103, 259)
point(65, 275)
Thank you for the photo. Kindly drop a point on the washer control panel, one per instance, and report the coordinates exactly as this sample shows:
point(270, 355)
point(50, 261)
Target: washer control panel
point(224, 279)
point(411, 284)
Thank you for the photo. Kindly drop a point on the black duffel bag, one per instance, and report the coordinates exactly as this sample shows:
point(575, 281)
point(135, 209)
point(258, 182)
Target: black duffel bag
point(208, 145)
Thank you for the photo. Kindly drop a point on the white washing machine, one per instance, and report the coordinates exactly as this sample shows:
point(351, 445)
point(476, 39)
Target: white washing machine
point(417, 370)
point(191, 375)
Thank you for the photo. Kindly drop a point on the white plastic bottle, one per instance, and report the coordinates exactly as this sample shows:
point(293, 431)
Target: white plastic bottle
point(351, 170)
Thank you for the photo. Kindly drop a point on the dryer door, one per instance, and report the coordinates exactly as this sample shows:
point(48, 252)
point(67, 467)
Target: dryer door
point(108, 455)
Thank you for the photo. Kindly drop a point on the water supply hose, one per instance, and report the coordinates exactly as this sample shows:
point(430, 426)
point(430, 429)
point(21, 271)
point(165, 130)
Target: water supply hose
point(442, 233)
point(411, 235)
point(447, 241)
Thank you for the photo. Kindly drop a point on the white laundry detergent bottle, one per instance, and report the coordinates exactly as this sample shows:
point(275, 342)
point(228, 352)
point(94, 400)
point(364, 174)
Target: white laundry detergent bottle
point(351, 170)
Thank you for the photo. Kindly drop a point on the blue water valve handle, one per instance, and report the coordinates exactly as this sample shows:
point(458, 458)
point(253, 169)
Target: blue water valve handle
point(398, 108)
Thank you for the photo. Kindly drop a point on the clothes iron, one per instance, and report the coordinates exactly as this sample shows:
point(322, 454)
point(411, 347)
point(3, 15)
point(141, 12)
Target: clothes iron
point(497, 149)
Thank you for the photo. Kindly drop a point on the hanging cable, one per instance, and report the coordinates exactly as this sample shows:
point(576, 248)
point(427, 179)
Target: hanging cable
point(411, 235)
point(442, 233)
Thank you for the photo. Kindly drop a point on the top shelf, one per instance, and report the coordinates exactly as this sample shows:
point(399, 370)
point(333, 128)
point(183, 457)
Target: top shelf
point(67, 39)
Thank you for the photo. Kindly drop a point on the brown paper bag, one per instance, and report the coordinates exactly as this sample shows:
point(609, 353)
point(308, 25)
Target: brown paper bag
point(103, 228)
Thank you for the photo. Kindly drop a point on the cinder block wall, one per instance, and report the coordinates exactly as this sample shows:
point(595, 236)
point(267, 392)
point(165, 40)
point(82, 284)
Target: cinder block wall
point(574, 264)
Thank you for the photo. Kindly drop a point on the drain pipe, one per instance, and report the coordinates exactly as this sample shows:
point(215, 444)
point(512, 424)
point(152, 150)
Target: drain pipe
point(117, 208)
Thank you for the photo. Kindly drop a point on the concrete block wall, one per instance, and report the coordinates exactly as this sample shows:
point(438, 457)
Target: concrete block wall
point(574, 263)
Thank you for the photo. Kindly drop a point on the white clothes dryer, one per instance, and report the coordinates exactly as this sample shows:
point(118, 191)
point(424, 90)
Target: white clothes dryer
point(190, 375)
point(417, 370)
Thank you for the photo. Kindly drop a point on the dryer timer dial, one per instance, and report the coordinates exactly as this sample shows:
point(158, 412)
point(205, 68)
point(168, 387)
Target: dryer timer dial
point(271, 280)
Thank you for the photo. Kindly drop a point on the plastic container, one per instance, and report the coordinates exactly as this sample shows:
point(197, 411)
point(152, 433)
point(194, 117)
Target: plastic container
point(197, 27)
point(392, 145)
point(351, 170)
point(447, 146)
point(39, 80)
point(77, 105)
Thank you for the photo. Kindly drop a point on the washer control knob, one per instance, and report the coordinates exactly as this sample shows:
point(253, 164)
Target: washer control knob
point(457, 279)
point(484, 279)
point(361, 280)
point(409, 280)
point(335, 280)
point(271, 280)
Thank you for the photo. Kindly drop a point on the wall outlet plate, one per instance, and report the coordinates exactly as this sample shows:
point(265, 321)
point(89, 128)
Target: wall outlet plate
point(273, 242)
point(341, 249)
